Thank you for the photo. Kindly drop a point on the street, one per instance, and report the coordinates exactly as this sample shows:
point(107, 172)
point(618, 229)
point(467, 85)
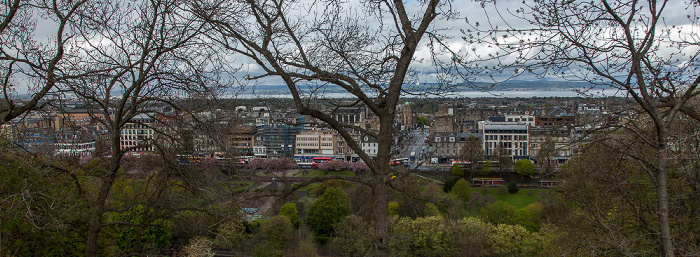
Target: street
point(415, 145)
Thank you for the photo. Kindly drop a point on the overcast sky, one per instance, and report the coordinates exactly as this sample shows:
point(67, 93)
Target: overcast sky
point(472, 10)
point(675, 14)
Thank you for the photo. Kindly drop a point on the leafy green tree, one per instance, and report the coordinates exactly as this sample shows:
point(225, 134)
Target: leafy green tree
point(423, 236)
point(463, 190)
point(431, 210)
point(530, 217)
point(524, 167)
point(338, 183)
point(457, 170)
point(513, 188)
point(472, 237)
point(330, 208)
point(152, 234)
point(498, 213)
point(509, 240)
point(437, 202)
point(276, 233)
point(352, 237)
point(277, 230)
point(423, 121)
point(289, 210)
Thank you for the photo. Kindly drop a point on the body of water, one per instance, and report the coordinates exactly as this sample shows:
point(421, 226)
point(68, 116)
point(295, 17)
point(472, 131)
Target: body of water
point(471, 94)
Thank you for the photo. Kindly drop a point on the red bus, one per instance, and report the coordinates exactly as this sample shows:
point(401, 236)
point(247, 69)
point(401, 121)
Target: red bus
point(321, 159)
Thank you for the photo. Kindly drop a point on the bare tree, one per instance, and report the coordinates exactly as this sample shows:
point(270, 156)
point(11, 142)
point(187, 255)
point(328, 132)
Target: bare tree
point(364, 50)
point(29, 61)
point(644, 48)
point(545, 154)
point(141, 56)
point(472, 150)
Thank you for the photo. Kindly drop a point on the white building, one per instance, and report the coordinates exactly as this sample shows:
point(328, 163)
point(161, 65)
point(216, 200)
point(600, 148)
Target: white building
point(510, 139)
point(137, 134)
point(80, 149)
point(260, 151)
point(312, 143)
point(369, 145)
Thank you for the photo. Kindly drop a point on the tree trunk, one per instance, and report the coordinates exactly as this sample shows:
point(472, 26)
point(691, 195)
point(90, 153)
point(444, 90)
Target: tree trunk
point(662, 196)
point(101, 201)
point(380, 184)
point(96, 219)
point(380, 195)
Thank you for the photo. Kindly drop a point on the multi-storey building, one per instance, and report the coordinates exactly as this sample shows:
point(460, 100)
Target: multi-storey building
point(137, 135)
point(446, 146)
point(550, 145)
point(556, 118)
point(369, 145)
point(443, 120)
point(277, 138)
point(243, 140)
point(467, 117)
point(313, 142)
point(76, 143)
point(8, 131)
point(343, 151)
point(505, 140)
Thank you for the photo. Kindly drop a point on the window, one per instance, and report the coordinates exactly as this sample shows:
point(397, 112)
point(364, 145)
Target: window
point(452, 139)
point(437, 139)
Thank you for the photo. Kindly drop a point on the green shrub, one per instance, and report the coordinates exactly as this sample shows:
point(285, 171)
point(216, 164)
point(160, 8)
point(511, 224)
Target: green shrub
point(513, 188)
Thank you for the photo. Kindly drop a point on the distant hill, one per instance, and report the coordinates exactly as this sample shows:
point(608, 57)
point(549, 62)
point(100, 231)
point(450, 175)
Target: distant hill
point(540, 85)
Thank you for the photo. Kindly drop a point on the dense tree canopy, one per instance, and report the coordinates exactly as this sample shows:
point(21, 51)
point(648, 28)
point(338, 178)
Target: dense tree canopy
point(524, 167)
point(330, 208)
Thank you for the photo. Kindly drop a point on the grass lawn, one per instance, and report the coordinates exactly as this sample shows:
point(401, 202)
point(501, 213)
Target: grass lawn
point(320, 173)
point(519, 199)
